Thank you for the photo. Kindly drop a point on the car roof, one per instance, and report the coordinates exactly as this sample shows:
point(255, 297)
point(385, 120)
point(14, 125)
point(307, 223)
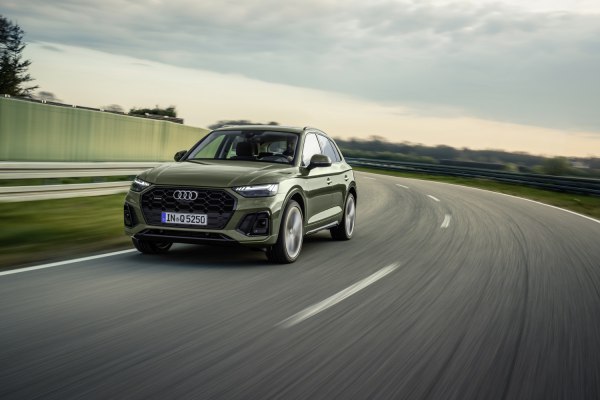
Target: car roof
point(293, 129)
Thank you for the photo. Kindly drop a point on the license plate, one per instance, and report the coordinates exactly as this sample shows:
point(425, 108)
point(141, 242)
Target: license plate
point(183, 218)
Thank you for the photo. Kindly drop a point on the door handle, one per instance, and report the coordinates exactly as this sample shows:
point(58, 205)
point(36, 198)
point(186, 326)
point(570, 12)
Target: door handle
point(328, 181)
point(345, 177)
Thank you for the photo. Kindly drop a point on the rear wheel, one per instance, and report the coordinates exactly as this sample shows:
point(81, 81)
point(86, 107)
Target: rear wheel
point(147, 247)
point(291, 235)
point(345, 229)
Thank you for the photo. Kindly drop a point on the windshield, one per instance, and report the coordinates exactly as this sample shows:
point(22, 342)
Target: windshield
point(265, 146)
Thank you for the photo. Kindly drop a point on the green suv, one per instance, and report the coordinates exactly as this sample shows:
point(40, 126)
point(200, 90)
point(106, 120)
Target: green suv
point(261, 186)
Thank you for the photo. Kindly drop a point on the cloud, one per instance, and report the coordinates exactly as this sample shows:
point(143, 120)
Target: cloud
point(92, 78)
point(486, 60)
point(51, 48)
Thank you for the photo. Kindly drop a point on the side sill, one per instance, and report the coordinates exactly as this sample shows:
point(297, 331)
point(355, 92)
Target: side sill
point(321, 228)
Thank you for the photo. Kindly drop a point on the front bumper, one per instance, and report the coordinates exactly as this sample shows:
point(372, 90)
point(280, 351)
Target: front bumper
point(230, 234)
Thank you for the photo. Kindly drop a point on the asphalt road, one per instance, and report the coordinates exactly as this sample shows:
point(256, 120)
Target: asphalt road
point(445, 292)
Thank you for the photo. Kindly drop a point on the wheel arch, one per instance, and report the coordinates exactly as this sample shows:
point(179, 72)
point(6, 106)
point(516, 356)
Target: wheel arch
point(352, 189)
point(297, 195)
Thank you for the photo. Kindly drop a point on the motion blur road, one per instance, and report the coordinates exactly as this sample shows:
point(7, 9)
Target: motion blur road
point(445, 292)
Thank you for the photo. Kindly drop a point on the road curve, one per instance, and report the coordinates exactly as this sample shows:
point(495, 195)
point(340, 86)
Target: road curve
point(445, 292)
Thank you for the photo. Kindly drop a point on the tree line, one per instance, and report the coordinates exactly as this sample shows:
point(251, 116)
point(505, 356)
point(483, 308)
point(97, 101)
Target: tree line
point(379, 147)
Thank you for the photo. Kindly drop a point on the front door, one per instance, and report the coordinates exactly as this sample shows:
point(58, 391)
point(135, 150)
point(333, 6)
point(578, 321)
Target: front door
point(319, 186)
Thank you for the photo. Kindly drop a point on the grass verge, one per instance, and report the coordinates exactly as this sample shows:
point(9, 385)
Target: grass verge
point(587, 205)
point(43, 230)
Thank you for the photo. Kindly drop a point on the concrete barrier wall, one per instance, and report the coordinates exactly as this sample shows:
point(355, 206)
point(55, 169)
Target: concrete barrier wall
point(40, 132)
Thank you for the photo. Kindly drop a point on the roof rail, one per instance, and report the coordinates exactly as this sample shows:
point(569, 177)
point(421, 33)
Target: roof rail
point(314, 129)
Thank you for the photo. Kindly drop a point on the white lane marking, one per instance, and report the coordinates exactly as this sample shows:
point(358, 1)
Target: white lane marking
point(514, 197)
point(336, 298)
point(57, 264)
point(433, 198)
point(446, 222)
point(402, 186)
point(544, 204)
point(368, 177)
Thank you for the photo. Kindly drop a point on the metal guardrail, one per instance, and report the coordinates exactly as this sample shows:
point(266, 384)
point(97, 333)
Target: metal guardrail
point(48, 170)
point(576, 185)
point(48, 192)
point(28, 170)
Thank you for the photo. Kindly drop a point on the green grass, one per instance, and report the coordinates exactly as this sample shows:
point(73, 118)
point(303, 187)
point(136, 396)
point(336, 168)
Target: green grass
point(52, 229)
point(587, 205)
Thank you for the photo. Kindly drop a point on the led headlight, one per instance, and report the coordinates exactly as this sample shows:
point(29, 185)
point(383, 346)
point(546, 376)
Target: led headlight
point(258, 190)
point(138, 185)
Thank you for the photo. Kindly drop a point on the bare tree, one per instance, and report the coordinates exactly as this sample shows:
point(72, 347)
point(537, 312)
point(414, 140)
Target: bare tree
point(238, 122)
point(47, 96)
point(113, 108)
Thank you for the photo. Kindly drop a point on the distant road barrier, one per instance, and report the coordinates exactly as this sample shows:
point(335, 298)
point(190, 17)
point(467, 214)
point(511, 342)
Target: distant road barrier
point(576, 185)
point(48, 170)
point(49, 192)
point(30, 170)
point(32, 131)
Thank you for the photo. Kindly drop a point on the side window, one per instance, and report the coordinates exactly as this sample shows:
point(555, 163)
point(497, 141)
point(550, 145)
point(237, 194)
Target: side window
point(311, 147)
point(329, 149)
point(338, 155)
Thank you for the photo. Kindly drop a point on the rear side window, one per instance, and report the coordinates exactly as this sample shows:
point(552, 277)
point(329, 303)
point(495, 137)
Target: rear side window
point(311, 147)
point(329, 149)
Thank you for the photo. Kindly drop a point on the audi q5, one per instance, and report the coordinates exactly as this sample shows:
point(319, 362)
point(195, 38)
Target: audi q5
point(260, 186)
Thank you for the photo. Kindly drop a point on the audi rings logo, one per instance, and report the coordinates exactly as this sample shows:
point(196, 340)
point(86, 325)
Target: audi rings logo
point(185, 195)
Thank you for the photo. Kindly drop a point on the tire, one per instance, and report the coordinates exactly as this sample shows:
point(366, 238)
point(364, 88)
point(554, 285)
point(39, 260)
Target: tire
point(291, 236)
point(345, 229)
point(147, 247)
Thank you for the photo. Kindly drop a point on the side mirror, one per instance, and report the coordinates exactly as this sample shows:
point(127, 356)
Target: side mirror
point(319, 160)
point(179, 155)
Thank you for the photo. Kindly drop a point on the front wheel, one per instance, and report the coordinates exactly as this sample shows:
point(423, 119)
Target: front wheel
point(345, 229)
point(291, 235)
point(148, 247)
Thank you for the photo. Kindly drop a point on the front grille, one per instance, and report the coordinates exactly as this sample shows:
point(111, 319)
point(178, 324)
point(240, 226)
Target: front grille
point(217, 204)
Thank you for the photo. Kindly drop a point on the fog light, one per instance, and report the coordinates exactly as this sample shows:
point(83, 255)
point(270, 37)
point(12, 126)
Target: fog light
point(261, 225)
point(255, 224)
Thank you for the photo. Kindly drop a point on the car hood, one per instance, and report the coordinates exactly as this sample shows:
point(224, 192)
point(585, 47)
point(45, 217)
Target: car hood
point(218, 173)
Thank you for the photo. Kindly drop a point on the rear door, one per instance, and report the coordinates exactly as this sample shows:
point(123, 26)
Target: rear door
point(339, 174)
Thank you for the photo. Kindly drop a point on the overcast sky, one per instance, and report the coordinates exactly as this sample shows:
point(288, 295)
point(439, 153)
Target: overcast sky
point(494, 74)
